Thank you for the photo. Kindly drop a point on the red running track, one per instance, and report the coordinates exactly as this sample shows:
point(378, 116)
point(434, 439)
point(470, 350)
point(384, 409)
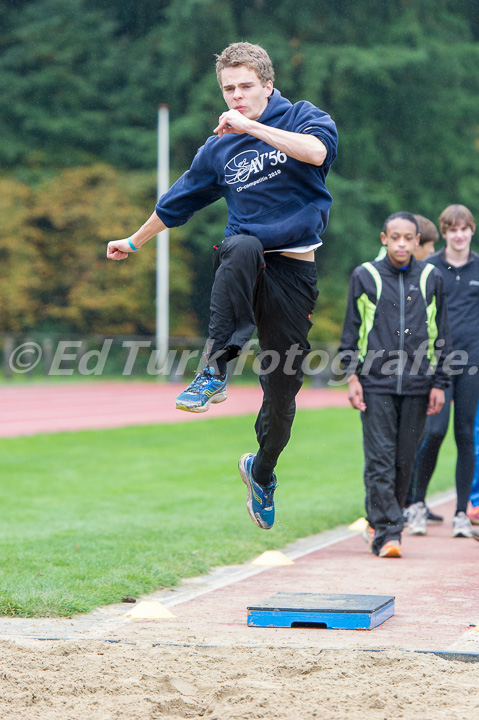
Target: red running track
point(29, 410)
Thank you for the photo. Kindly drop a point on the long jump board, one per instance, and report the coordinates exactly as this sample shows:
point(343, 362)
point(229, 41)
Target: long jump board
point(350, 612)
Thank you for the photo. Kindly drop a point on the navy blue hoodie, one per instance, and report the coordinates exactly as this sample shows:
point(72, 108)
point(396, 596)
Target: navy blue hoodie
point(283, 201)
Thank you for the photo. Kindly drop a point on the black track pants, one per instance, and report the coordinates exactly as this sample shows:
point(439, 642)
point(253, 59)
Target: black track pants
point(464, 391)
point(237, 264)
point(392, 428)
point(276, 294)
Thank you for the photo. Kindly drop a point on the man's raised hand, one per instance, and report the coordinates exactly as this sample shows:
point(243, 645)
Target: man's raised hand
point(118, 250)
point(232, 121)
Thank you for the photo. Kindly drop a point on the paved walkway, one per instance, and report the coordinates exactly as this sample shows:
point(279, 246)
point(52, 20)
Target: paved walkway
point(27, 410)
point(435, 585)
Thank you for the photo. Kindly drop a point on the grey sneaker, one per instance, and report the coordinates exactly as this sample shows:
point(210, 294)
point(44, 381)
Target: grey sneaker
point(461, 526)
point(417, 519)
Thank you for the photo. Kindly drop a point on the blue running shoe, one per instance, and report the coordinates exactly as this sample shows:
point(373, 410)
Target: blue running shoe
point(203, 391)
point(259, 500)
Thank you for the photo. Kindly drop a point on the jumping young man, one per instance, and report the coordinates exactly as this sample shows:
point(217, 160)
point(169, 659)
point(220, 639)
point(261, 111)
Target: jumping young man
point(269, 159)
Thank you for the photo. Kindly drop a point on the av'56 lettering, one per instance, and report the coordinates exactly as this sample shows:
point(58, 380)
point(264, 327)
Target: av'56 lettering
point(251, 162)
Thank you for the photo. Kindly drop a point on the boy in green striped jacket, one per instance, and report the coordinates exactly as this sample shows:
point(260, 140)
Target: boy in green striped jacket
point(394, 345)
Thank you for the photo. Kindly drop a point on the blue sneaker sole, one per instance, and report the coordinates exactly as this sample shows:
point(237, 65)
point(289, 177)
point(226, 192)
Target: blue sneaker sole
point(220, 397)
point(249, 497)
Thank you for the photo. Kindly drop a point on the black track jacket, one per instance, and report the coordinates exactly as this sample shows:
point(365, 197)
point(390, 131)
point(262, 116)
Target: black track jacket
point(461, 285)
point(396, 334)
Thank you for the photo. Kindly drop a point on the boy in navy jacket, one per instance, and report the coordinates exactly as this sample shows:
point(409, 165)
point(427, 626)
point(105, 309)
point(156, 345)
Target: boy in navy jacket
point(459, 268)
point(269, 159)
point(396, 335)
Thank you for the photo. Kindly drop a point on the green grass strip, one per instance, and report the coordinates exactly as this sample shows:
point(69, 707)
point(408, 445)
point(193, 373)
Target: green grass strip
point(89, 517)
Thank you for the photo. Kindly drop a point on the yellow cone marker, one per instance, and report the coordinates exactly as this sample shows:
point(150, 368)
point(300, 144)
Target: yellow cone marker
point(359, 525)
point(272, 558)
point(150, 610)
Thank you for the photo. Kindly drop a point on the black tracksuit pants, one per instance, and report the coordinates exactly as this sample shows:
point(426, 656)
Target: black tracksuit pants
point(276, 294)
point(464, 391)
point(392, 429)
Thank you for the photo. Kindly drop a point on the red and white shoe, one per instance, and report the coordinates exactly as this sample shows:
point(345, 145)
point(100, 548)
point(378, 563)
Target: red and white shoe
point(473, 515)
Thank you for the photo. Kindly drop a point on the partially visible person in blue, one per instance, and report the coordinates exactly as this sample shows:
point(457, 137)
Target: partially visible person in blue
point(473, 512)
point(269, 159)
point(459, 267)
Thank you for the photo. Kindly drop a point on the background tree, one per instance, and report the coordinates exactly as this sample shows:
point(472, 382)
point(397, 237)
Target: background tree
point(53, 274)
point(80, 81)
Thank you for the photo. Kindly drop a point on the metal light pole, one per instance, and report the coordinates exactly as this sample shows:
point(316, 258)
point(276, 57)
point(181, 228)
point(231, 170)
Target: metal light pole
point(162, 241)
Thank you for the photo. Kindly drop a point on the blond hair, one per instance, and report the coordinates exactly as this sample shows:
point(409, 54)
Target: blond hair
point(454, 215)
point(254, 57)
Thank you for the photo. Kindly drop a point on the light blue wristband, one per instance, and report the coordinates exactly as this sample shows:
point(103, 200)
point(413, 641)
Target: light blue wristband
point(131, 245)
